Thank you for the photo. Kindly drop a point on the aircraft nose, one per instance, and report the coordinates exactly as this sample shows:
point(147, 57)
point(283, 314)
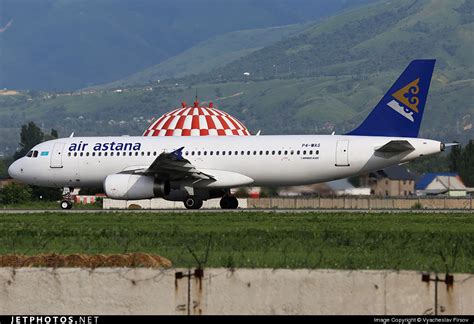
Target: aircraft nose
point(15, 170)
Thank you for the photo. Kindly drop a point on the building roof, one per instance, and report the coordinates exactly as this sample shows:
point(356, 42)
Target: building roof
point(196, 121)
point(396, 172)
point(447, 180)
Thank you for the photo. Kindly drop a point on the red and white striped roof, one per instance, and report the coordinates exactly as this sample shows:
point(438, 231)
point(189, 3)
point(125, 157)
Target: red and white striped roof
point(196, 121)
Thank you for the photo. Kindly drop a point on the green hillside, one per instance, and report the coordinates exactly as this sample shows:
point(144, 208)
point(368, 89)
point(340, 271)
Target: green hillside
point(372, 39)
point(70, 44)
point(211, 54)
point(335, 72)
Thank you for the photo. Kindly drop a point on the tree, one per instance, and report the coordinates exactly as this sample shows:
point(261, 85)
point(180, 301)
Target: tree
point(54, 133)
point(15, 193)
point(466, 165)
point(30, 136)
point(455, 158)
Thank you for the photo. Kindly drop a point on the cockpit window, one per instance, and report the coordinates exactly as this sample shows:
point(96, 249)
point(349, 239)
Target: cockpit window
point(35, 153)
point(29, 154)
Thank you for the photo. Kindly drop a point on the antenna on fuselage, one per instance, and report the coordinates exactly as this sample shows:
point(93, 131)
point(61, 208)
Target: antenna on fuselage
point(72, 135)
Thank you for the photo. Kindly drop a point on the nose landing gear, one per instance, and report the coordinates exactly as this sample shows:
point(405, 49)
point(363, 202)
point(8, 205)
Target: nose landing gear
point(66, 203)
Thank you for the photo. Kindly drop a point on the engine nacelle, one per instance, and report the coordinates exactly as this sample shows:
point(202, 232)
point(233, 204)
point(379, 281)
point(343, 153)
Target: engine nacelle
point(133, 186)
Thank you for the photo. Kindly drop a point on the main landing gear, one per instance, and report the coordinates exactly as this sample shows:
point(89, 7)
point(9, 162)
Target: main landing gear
point(66, 203)
point(229, 202)
point(193, 202)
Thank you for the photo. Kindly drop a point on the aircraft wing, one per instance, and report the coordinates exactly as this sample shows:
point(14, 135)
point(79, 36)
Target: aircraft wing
point(395, 146)
point(172, 166)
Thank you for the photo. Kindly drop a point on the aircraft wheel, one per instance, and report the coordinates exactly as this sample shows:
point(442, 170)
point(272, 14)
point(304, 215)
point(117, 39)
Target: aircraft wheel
point(193, 203)
point(66, 204)
point(234, 203)
point(229, 202)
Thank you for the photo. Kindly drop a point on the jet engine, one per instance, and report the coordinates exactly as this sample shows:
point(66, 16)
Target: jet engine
point(134, 186)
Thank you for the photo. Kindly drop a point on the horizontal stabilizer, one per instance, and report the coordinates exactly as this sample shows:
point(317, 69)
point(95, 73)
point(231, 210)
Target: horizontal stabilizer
point(395, 147)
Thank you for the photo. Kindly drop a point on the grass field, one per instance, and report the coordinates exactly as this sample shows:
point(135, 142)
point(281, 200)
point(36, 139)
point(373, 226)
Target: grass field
point(426, 242)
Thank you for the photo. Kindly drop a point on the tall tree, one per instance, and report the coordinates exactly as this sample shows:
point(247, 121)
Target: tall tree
point(455, 158)
point(30, 136)
point(466, 170)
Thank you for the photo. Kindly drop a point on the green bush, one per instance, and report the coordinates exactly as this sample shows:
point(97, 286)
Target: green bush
point(15, 193)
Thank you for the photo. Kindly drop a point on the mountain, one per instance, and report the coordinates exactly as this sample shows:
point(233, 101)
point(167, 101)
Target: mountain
point(367, 40)
point(325, 78)
point(72, 44)
point(211, 54)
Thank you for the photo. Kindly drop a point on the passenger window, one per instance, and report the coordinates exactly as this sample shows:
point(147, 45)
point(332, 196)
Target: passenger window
point(266, 152)
point(143, 153)
point(242, 153)
point(236, 152)
point(317, 152)
point(210, 153)
point(304, 152)
point(254, 152)
point(217, 152)
point(199, 152)
point(292, 152)
point(87, 153)
point(192, 153)
point(154, 153)
point(105, 153)
point(279, 152)
point(298, 152)
point(111, 153)
point(148, 153)
point(205, 153)
point(311, 152)
point(261, 152)
point(223, 152)
point(185, 153)
point(93, 153)
point(273, 152)
point(130, 153)
point(75, 153)
point(230, 152)
point(248, 152)
point(69, 154)
point(286, 152)
point(136, 153)
point(81, 154)
point(99, 154)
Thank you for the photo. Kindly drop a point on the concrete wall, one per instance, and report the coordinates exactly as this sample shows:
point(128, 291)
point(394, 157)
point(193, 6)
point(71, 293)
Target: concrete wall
point(159, 203)
point(223, 291)
point(349, 202)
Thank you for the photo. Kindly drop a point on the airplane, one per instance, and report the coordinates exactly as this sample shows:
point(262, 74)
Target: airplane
point(195, 169)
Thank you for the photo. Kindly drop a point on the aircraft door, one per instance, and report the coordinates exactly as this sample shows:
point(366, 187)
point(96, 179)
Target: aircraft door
point(342, 153)
point(56, 156)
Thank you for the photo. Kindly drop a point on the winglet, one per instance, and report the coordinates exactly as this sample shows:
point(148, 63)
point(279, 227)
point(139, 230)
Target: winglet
point(178, 154)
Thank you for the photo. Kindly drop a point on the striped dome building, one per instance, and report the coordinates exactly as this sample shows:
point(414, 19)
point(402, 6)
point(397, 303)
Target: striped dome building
point(196, 121)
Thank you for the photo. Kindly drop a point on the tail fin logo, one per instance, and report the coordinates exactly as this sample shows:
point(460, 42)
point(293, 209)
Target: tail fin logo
point(406, 100)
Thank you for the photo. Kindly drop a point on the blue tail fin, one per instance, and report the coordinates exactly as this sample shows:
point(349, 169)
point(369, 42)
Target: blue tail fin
point(400, 111)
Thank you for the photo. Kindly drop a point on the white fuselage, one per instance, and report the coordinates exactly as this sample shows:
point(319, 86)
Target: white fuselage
point(264, 160)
